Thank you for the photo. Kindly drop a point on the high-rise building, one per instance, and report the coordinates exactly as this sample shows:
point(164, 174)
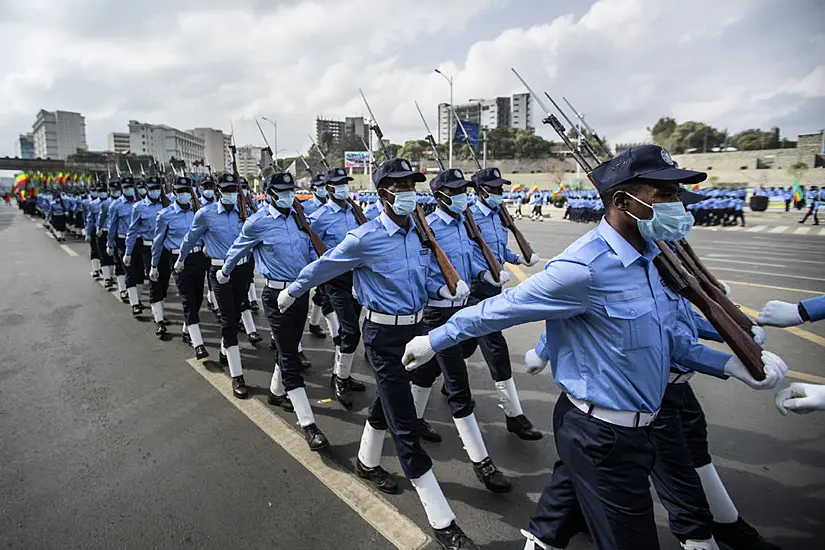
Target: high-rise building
point(164, 142)
point(216, 148)
point(58, 134)
point(522, 116)
point(24, 146)
point(333, 127)
point(249, 160)
point(118, 142)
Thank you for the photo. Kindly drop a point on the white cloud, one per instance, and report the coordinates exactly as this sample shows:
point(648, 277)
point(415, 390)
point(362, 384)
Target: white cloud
point(734, 64)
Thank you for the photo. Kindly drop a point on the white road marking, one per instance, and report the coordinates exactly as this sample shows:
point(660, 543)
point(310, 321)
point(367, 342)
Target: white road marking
point(711, 257)
point(756, 229)
point(768, 274)
point(398, 529)
point(822, 232)
point(756, 262)
point(802, 230)
point(779, 229)
point(68, 250)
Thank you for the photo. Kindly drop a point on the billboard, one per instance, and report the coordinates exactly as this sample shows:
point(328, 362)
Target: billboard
point(356, 159)
point(472, 132)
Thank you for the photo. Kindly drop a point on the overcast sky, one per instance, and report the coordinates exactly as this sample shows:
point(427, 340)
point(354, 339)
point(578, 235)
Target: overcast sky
point(735, 63)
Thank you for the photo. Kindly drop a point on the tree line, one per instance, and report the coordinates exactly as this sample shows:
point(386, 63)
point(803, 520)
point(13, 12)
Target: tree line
point(698, 137)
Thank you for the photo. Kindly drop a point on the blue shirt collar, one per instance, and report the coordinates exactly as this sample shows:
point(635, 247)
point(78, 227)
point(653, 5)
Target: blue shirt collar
point(221, 208)
point(275, 213)
point(176, 207)
point(332, 206)
point(444, 216)
point(390, 225)
point(484, 208)
point(623, 249)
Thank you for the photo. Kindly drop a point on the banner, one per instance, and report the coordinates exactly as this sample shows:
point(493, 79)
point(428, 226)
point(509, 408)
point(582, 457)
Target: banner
point(356, 159)
point(472, 132)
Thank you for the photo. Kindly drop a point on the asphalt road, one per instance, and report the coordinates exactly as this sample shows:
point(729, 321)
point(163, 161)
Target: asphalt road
point(112, 439)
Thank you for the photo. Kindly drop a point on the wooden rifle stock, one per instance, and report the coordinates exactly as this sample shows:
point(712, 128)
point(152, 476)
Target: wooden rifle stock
point(425, 233)
point(712, 290)
point(700, 266)
point(300, 216)
point(250, 202)
point(357, 212)
point(680, 280)
point(475, 234)
point(507, 221)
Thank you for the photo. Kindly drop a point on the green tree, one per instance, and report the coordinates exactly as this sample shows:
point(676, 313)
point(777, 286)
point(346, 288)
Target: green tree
point(530, 146)
point(501, 142)
point(414, 149)
point(754, 139)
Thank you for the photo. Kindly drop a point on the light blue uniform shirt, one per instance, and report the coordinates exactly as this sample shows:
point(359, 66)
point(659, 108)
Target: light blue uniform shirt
point(389, 267)
point(311, 205)
point(609, 318)
point(92, 212)
point(102, 221)
point(172, 224)
point(216, 227)
point(451, 235)
point(815, 307)
point(373, 210)
point(144, 220)
point(281, 250)
point(494, 233)
point(332, 223)
point(57, 208)
point(120, 216)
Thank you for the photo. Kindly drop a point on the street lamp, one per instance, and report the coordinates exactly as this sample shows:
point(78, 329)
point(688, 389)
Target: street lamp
point(449, 80)
point(275, 143)
point(482, 129)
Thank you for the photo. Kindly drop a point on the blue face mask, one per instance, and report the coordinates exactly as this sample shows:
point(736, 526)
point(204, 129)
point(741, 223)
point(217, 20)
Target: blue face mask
point(128, 191)
point(268, 199)
point(154, 194)
point(229, 198)
point(321, 192)
point(459, 203)
point(341, 191)
point(115, 194)
point(209, 193)
point(285, 199)
point(405, 202)
point(142, 191)
point(245, 192)
point(670, 221)
point(183, 197)
point(493, 201)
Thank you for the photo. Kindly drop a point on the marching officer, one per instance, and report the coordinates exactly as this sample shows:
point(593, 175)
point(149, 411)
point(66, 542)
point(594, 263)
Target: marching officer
point(120, 217)
point(218, 225)
point(90, 230)
point(320, 305)
point(139, 238)
point(319, 194)
point(610, 321)
point(389, 265)
point(281, 250)
point(172, 224)
point(332, 221)
point(110, 268)
point(448, 224)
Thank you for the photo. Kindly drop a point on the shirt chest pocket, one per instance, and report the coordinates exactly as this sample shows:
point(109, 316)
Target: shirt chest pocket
point(277, 243)
point(635, 322)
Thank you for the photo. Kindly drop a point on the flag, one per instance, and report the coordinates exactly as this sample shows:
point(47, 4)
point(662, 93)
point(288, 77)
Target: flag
point(516, 187)
point(694, 187)
point(558, 189)
point(535, 189)
point(21, 181)
point(797, 191)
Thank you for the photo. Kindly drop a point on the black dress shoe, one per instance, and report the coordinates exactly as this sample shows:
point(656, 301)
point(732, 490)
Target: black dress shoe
point(161, 330)
point(222, 359)
point(355, 385)
point(280, 401)
point(200, 352)
point(739, 535)
point(108, 283)
point(444, 391)
point(254, 306)
point(136, 310)
point(341, 391)
point(378, 476)
point(453, 538)
point(254, 338)
point(317, 330)
point(305, 362)
point(523, 428)
point(124, 297)
point(491, 476)
point(185, 338)
point(427, 432)
point(272, 345)
point(315, 438)
point(95, 274)
point(239, 387)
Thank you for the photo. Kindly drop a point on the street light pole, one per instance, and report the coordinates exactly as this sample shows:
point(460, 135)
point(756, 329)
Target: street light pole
point(275, 142)
point(449, 80)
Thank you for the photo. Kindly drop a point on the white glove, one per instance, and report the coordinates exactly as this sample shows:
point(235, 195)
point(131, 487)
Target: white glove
point(110, 251)
point(127, 260)
point(222, 277)
point(801, 398)
point(779, 314)
point(504, 277)
point(534, 259)
point(533, 364)
point(100, 234)
point(759, 335)
point(178, 267)
point(285, 299)
point(774, 367)
point(725, 288)
point(417, 353)
point(88, 238)
point(487, 277)
point(462, 291)
point(154, 274)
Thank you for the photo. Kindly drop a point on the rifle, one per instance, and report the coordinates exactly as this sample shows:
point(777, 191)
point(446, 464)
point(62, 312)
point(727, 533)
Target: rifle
point(469, 223)
point(603, 147)
point(357, 213)
point(233, 151)
point(681, 279)
point(323, 158)
point(425, 232)
point(300, 216)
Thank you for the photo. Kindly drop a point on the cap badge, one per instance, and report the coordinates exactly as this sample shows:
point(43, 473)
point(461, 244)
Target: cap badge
point(458, 174)
point(287, 178)
point(405, 165)
point(496, 173)
point(666, 157)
